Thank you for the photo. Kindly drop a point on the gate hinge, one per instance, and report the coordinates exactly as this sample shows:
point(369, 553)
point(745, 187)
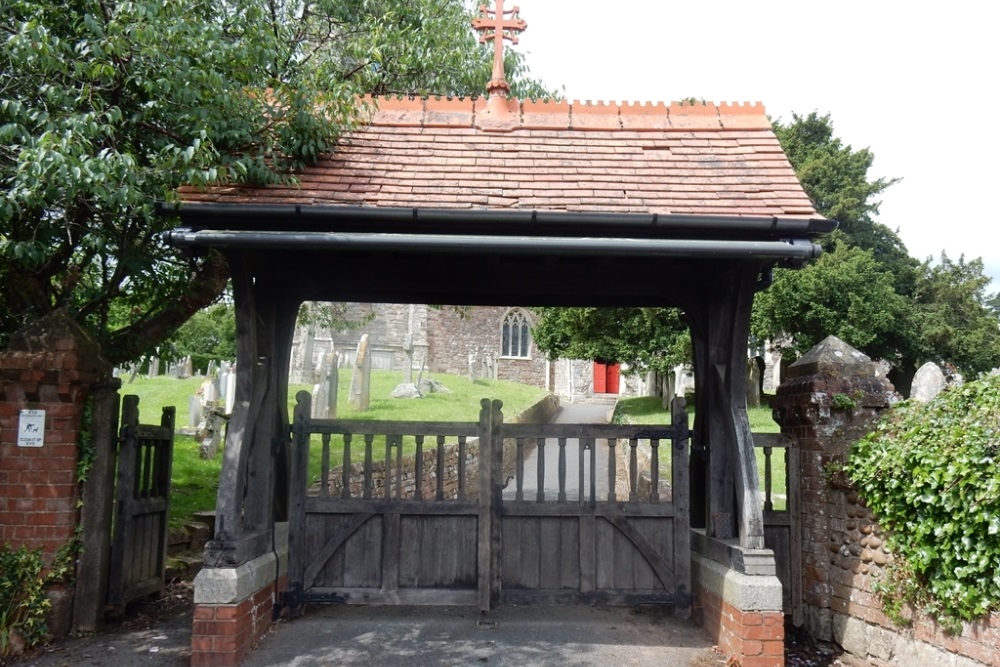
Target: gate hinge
point(295, 600)
point(680, 599)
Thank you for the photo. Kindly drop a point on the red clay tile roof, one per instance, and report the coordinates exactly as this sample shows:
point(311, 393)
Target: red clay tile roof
point(701, 159)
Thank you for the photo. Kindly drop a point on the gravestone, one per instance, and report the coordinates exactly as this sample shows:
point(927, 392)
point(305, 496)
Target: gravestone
point(210, 429)
point(472, 366)
point(927, 383)
point(332, 383)
point(360, 397)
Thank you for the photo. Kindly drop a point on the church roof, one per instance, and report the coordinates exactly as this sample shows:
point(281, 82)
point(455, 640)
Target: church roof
point(508, 154)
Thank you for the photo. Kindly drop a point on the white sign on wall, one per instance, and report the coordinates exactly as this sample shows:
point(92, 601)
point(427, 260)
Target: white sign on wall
point(31, 428)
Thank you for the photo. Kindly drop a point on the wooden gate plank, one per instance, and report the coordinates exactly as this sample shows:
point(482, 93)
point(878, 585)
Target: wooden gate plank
point(663, 570)
point(588, 549)
point(313, 568)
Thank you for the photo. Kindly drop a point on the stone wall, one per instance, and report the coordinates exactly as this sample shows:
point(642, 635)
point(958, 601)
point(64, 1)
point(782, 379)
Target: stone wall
point(843, 553)
point(451, 338)
point(541, 412)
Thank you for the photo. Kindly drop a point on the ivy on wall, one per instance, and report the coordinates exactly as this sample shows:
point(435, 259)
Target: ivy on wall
point(929, 472)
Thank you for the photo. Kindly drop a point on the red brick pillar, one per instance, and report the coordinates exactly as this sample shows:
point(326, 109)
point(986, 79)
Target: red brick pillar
point(48, 368)
point(829, 399)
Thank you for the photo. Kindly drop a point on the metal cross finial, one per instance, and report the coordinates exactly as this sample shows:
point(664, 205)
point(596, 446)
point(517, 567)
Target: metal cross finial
point(498, 24)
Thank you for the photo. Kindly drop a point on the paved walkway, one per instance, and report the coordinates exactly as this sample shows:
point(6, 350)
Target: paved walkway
point(596, 411)
point(509, 637)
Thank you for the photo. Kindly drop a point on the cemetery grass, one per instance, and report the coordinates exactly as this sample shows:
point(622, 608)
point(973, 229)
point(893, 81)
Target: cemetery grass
point(194, 481)
point(649, 410)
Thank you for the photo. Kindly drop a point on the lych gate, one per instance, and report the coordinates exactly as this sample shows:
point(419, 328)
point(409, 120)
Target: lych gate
point(388, 534)
point(501, 202)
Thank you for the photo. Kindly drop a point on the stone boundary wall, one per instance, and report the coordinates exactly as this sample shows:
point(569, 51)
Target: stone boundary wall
point(842, 548)
point(540, 412)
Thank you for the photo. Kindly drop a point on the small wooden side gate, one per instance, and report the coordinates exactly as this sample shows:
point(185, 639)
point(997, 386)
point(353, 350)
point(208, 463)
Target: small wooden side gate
point(551, 522)
point(142, 498)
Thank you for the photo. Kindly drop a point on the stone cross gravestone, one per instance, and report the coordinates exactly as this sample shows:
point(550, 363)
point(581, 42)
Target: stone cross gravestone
point(360, 396)
point(927, 383)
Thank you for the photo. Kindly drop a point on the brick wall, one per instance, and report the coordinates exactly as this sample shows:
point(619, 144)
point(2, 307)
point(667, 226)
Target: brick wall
point(51, 366)
point(843, 552)
point(222, 634)
point(749, 638)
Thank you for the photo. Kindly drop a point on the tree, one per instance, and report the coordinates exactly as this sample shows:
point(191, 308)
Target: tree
point(892, 307)
point(953, 317)
point(642, 338)
point(845, 293)
point(106, 107)
point(209, 335)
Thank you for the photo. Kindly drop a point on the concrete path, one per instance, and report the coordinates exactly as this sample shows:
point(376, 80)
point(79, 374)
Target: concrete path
point(597, 411)
point(509, 637)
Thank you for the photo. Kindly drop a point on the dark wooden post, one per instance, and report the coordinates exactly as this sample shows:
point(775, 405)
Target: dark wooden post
point(724, 476)
point(490, 498)
point(96, 514)
point(299, 480)
point(682, 506)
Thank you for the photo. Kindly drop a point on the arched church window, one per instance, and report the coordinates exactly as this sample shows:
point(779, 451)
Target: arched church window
point(515, 336)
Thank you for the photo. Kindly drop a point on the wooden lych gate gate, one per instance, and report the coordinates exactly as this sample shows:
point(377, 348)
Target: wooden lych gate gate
point(464, 525)
point(142, 502)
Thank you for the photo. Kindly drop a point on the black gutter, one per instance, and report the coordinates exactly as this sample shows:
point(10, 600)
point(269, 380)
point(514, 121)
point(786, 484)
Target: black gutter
point(466, 222)
point(800, 250)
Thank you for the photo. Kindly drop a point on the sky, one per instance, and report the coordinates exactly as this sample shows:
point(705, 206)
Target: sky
point(915, 83)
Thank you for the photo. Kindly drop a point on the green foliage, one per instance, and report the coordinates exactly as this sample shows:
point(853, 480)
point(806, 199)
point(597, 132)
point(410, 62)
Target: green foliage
point(867, 290)
point(209, 335)
point(845, 293)
point(642, 338)
point(23, 603)
point(106, 107)
point(953, 317)
point(929, 473)
point(835, 177)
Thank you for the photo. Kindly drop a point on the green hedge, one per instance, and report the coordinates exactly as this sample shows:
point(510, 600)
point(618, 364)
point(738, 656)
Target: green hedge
point(929, 474)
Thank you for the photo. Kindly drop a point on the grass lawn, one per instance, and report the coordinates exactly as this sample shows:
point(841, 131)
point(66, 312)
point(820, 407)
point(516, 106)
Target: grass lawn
point(649, 410)
point(195, 481)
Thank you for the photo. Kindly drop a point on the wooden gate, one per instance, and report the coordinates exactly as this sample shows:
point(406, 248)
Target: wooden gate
point(485, 513)
point(142, 498)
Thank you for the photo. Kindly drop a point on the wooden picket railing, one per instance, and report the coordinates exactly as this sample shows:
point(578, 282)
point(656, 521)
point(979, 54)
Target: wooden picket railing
point(782, 526)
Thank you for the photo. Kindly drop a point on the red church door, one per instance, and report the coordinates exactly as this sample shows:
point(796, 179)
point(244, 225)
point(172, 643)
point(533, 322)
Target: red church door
point(606, 378)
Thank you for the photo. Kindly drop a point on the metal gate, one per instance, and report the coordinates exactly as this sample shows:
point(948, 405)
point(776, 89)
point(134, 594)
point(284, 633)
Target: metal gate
point(487, 513)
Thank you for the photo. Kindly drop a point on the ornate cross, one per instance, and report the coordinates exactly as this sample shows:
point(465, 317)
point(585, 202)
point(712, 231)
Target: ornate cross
point(498, 24)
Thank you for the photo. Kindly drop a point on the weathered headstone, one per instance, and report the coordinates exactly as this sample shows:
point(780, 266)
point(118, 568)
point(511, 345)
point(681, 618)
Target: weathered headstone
point(231, 390)
point(472, 366)
point(332, 383)
point(408, 350)
point(154, 367)
point(360, 397)
point(927, 383)
point(194, 411)
point(753, 381)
